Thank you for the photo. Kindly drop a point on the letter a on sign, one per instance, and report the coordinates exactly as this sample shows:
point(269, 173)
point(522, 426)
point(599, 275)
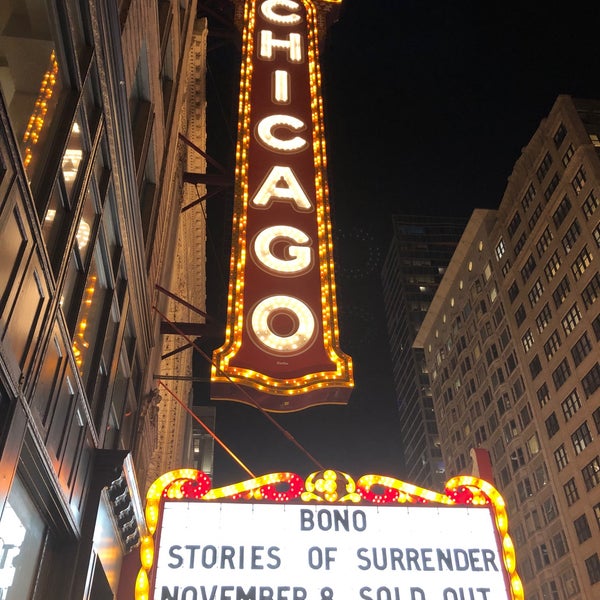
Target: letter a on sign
point(281, 350)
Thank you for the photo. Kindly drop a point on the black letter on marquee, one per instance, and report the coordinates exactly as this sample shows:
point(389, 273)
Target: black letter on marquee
point(306, 520)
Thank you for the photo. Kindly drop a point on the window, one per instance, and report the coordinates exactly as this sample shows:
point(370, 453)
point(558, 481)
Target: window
point(591, 292)
point(544, 167)
point(493, 423)
point(582, 529)
point(503, 404)
point(596, 509)
point(552, 345)
point(513, 291)
point(551, 187)
point(544, 241)
point(596, 417)
point(596, 327)
point(581, 438)
point(596, 235)
point(35, 100)
point(571, 236)
point(543, 318)
point(535, 215)
point(549, 509)
point(581, 263)
point(591, 380)
point(561, 374)
point(552, 266)
point(500, 249)
point(491, 354)
point(579, 180)
point(591, 474)
point(541, 558)
point(543, 395)
point(561, 292)
point(514, 224)
point(533, 446)
point(535, 367)
point(520, 314)
point(525, 416)
point(535, 293)
point(592, 564)
point(505, 338)
point(571, 493)
point(517, 459)
point(560, 214)
point(528, 197)
point(589, 206)
point(505, 268)
point(581, 349)
point(560, 134)
point(570, 320)
point(528, 268)
point(571, 404)
point(552, 425)
point(559, 545)
point(511, 363)
point(524, 489)
point(560, 457)
point(568, 155)
point(520, 243)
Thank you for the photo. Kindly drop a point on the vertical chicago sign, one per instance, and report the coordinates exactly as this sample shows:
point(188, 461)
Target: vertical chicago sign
point(281, 349)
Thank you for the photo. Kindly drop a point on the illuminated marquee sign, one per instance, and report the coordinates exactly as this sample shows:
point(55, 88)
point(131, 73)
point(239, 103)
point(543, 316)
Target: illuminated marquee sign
point(281, 348)
point(376, 539)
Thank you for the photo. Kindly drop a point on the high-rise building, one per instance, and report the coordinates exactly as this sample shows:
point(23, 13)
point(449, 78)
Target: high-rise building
point(512, 346)
point(420, 250)
point(93, 98)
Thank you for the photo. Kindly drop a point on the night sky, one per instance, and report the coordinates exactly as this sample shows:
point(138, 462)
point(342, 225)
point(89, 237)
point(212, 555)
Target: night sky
point(428, 105)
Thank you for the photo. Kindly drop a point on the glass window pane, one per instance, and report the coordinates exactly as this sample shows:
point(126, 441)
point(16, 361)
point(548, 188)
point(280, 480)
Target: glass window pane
point(23, 533)
point(92, 316)
point(55, 226)
point(72, 161)
point(86, 227)
point(31, 76)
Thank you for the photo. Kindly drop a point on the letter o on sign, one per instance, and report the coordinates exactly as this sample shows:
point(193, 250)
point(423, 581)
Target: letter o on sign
point(283, 324)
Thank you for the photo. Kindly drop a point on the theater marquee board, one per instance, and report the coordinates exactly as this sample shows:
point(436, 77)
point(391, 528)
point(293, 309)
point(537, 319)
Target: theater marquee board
point(326, 538)
point(281, 348)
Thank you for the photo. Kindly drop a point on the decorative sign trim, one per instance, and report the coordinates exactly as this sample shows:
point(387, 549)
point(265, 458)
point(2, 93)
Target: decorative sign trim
point(327, 486)
point(281, 349)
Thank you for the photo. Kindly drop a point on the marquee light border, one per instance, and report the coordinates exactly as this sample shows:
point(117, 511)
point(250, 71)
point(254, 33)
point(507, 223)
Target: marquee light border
point(222, 370)
point(328, 486)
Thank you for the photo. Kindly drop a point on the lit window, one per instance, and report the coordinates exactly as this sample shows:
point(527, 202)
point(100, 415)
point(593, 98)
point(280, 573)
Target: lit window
point(570, 320)
point(582, 262)
point(500, 249)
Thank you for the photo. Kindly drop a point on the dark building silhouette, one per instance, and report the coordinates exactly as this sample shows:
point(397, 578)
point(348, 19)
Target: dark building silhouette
point(416, 261)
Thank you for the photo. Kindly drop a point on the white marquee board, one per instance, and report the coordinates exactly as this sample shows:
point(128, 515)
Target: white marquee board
point(239, 551)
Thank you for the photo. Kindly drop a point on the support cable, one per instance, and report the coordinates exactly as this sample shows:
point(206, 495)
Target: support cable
point(251, 400)
point(208, 430)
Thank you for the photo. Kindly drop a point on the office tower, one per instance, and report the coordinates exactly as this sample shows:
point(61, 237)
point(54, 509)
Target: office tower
point(93, 97)
point(420, 250)
point(512, 346)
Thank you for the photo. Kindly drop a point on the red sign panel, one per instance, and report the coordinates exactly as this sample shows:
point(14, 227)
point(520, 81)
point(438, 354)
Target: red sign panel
point(281, 350)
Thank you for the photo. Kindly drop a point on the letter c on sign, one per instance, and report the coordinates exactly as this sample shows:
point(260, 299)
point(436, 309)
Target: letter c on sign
point(265, 133)
point(268, 7)
point(304, 324)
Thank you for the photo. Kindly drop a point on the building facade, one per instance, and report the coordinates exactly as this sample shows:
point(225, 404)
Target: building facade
point(93, 97)
point(416, 261)
point(512, 346)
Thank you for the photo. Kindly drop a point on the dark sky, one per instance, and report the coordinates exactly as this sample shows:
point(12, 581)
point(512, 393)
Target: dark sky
point(428, 105)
